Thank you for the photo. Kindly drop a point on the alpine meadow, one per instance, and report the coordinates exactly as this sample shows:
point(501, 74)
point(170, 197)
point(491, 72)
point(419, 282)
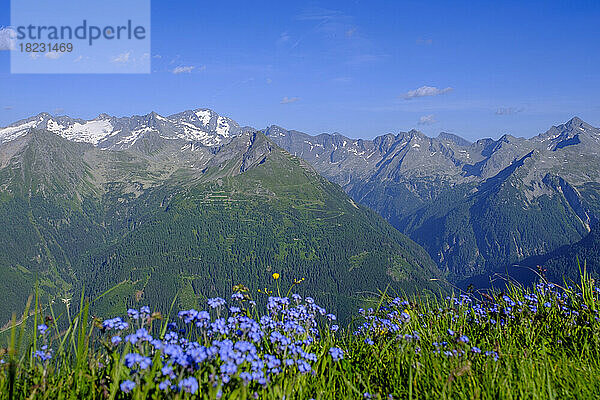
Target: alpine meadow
point(299, 200)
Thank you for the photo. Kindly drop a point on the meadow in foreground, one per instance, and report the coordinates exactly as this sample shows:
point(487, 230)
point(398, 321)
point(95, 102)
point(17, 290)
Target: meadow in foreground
point(533, 343)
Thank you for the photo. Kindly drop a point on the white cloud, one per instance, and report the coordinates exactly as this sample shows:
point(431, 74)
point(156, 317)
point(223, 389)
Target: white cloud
point(427, 120)
point(7, 38)
point(122, 58)
point(289, 100)
point(509, 110)
point(425, 91)
point(53, 55)
point(183, 69)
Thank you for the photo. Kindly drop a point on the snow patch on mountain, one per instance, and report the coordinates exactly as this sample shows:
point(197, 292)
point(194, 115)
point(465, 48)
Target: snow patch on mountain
point(13, 132)
point(134, 136)
point(202, 126)
point(204, 116)
point(222, 127)
point(89, 132)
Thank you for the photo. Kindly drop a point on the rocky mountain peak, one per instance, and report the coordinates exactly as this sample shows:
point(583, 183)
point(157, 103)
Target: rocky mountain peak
point(451, 137)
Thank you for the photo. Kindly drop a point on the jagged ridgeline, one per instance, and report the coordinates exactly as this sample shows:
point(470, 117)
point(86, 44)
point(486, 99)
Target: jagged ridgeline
point(475, 207)
point(158, 216)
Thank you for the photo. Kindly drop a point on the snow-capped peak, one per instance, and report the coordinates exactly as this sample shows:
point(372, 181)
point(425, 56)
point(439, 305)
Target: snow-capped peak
point(201, 126)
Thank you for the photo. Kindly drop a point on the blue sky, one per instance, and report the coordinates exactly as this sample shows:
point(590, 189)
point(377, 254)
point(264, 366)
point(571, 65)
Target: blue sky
point(361, 68)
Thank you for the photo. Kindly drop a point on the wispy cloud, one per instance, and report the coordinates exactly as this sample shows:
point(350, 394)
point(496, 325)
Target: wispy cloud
point(183, 69)
point(188, 69)
point(427, 120)
point(320, 14)
point(283, 38)
point(425, 91)
point(339, 36)
point(425, 42)
point(53, 55)
point(7, 38)
point(8, 108)
point(289, 100)
point(122, 58)
point(509, 110)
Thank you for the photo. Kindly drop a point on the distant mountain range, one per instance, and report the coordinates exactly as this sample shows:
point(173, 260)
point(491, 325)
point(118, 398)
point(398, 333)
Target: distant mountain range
point(123, 199)
point(199, 126)
point(475, 207)
point(189, 205)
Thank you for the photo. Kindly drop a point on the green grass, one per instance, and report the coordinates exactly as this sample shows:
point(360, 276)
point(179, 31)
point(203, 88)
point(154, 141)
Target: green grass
point(538, 343)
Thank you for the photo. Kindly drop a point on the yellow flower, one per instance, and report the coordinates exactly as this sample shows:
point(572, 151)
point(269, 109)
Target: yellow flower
point(275, 276)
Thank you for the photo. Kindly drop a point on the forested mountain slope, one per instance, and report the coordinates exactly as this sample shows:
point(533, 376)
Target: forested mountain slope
point(473, 206)
point(167, 217)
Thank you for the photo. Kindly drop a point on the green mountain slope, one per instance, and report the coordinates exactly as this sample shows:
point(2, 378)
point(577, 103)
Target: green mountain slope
point(475, 229)
point(475, 207)
point(160, 222)
point(562, 263)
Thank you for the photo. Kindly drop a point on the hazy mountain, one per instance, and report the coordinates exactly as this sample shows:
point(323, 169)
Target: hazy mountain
point(560, 263)
point(473, 206)
point(200, 126)
point(450, 137)
point(161, 208)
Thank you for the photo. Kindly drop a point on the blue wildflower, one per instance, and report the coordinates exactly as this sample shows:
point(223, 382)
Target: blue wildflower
point(114, 323)
point(237, 296)
point(42, 328)
point(44, 354)
point(216, 302)
point(336, 353)
point(127, 386)
point(189, 385)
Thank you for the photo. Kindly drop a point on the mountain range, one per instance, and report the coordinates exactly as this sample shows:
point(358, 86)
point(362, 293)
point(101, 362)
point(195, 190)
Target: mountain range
point(153, 209)
point(194, 203)
point(475, 207)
